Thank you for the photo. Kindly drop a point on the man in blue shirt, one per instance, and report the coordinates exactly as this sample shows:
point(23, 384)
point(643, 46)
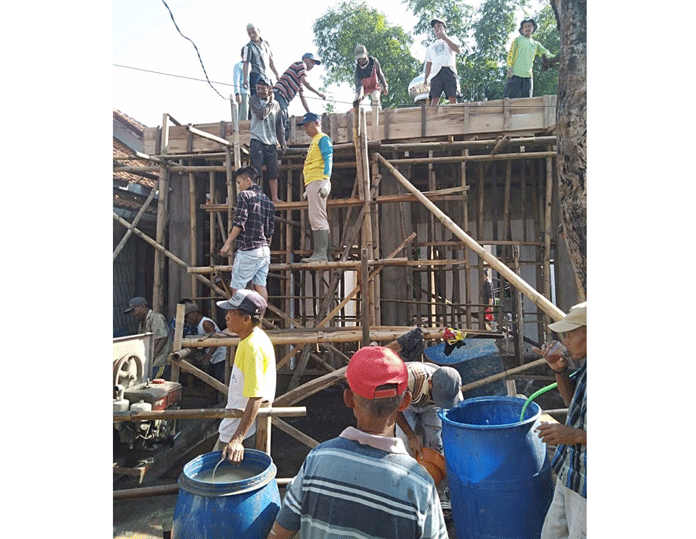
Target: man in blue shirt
point(241, 94)
point(363, 484)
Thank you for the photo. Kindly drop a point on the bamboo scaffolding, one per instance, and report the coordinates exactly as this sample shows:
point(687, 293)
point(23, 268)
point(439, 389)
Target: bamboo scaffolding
point(166, 253)
point(538, 299)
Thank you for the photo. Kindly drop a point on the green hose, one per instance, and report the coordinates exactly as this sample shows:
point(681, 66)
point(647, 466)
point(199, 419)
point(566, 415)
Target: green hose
point(537, 393)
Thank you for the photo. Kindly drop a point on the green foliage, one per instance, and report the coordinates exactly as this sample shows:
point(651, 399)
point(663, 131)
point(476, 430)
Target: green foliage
point(457, 14)
point(546, 82)
point(341, 28)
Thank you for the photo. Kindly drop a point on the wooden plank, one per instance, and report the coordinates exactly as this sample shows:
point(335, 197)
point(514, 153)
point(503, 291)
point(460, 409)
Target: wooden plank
point(528, 115)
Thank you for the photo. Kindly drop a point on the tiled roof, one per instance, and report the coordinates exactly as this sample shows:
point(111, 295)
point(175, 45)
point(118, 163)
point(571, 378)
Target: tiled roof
point(122, 153)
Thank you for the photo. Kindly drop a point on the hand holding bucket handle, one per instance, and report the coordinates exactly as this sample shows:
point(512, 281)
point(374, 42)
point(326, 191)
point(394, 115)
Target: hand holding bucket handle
point(233, 451)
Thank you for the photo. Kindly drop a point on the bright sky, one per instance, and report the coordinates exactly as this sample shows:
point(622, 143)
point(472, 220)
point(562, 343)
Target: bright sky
point(145, 37)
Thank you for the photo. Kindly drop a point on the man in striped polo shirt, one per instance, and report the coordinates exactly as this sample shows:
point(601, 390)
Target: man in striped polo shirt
point(567, 515)
point(290, 84)
point(363, 484)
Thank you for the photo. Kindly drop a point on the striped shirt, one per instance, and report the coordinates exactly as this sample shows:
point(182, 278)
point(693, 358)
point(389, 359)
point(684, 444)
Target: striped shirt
point(258, 55)
point(255, 215)
point(418, 375)
point(521, 55)
point(361, 486)
point(290, 82)
point(570, 461)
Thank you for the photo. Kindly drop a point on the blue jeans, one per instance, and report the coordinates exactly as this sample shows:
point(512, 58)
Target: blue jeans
point(250, 266)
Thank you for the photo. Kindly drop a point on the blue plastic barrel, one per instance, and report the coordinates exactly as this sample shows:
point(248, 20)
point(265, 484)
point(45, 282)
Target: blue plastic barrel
point(498, 468)
point(244, 508)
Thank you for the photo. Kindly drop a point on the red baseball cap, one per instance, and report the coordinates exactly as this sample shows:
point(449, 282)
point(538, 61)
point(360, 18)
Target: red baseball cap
point(373, 366)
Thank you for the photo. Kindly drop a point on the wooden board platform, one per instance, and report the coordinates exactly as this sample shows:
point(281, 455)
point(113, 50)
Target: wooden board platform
point(510, 116)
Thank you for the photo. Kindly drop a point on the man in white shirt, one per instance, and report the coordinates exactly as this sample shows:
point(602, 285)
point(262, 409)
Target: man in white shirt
point(440, 64)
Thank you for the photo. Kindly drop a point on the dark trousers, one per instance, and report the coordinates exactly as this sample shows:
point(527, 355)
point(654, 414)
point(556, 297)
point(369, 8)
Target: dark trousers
point(518, 87)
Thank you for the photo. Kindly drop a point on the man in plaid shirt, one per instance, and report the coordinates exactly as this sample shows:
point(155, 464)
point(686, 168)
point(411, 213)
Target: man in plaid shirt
point(252, 226)
point(567, 516)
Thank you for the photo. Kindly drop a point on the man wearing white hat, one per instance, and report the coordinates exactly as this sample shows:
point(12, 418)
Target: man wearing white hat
point(567, 516)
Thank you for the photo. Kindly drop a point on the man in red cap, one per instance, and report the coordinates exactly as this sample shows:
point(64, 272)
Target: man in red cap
point(364, 483)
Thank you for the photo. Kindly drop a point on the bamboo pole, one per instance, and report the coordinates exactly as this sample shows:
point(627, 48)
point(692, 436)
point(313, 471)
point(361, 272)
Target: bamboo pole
point(441, 194)
point(207, 413)
point(339, 264)
point(548, 223)
point(295, 433)
point(479, 233)
point(178, 336)
point(364, 302)
point(158, 278)
point(502, 375)
point(193, 220)
point(467, 269)
point(475, 158)
point(538, 299)
point(463, 144)
point(206, 135)
point(136, 221)
point(324, 335)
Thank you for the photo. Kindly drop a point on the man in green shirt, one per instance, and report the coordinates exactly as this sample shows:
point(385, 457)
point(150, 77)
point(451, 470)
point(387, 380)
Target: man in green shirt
point(521, 59)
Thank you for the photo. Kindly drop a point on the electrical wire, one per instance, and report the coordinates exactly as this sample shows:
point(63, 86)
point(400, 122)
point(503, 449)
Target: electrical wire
point(194, 46)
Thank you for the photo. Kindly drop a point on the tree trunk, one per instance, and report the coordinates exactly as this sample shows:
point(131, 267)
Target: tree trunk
point(571, 124)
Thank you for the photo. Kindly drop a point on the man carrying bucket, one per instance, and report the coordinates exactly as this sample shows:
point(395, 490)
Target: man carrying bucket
point(567, 515)
point(253, 376)
point(364, 483)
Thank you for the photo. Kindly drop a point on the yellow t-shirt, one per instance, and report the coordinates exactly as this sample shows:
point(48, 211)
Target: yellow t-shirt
point(253, 375)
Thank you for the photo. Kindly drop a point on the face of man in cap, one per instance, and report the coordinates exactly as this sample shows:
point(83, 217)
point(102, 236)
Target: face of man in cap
point(439, 29)
point(237, 320)
point(253, 33)
point(575, 342)
point(139, 312)
point(311, 128)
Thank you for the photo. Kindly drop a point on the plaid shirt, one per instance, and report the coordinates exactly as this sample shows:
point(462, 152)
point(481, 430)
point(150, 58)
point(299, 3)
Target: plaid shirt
point(570, 461)
point(255, 215)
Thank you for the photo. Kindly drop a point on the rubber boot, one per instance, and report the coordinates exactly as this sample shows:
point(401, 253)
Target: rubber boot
point(321, 241)
point(329, 247)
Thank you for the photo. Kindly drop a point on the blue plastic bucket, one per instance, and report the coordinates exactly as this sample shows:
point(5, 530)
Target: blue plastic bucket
point(498, 468)
point(244, 508)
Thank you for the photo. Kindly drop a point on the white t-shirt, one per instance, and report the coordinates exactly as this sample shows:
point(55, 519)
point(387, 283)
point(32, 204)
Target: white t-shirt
point(253, 375)
point(440, 55)
point(219, 354)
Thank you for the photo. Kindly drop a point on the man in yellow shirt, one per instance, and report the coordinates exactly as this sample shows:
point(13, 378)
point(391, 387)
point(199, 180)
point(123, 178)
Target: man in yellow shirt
point(253, 376)
point(520, 61)
point(317, 181)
